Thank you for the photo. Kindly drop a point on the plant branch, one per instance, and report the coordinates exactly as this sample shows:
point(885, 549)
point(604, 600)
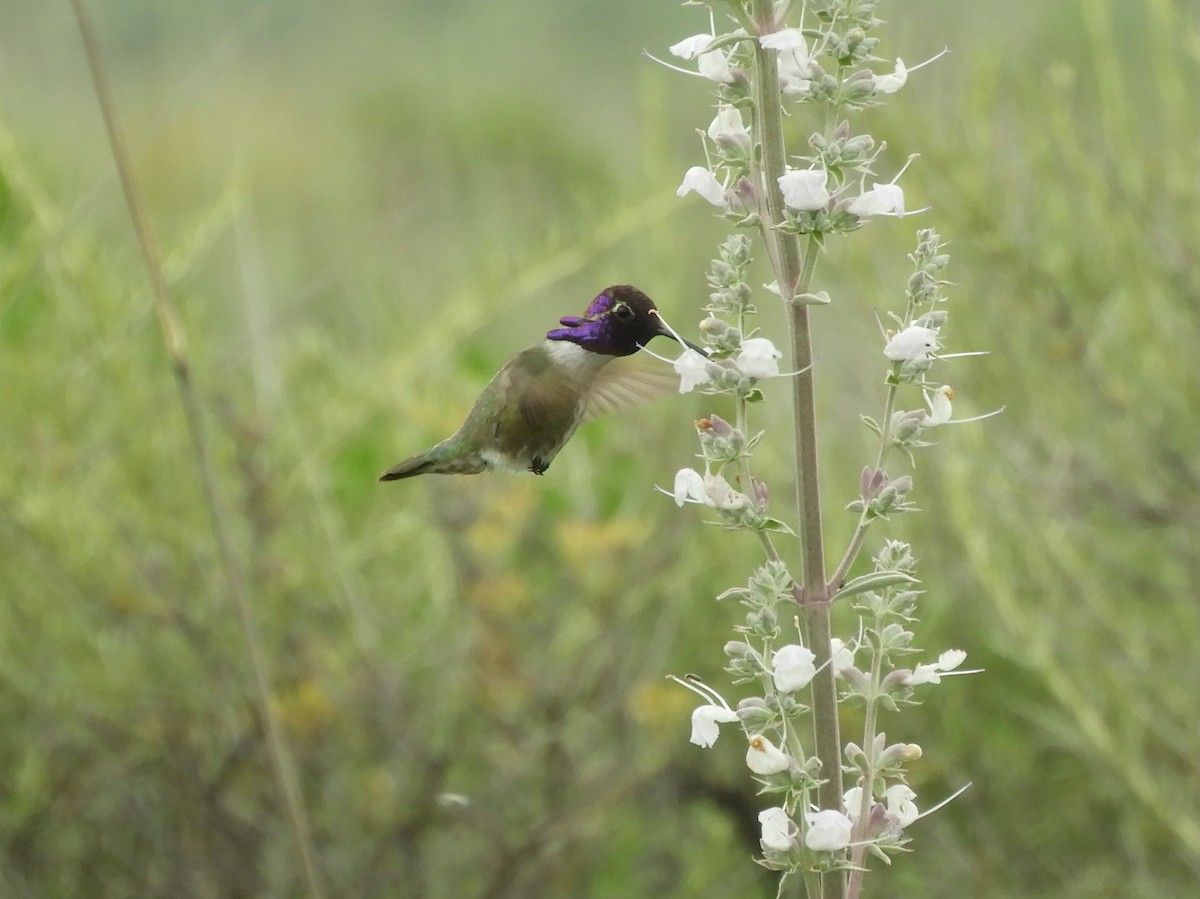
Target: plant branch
point(794, 276)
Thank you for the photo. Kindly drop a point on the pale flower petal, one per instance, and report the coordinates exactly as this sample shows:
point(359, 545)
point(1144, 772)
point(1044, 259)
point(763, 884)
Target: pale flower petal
point(889, 84)
point(728, 124)
point(689, 487)
point(931, 673)
point(720, 495)
point(828, 831)
point(924, 674)
point(693, 370)
point(899, 800)
point(914, 342)
point(758, 358)
point(786, 39)
point(951, 659)
point(805, 189)
point(795, 69)
point(705, 719)
point(852, 802)
point(940, 408)
point(763, 757)
point(778, 830)
point(882, 199)
point(705, 183)
point(690, 47)
point(792, 667)
point(840, 656)
point(714, 66)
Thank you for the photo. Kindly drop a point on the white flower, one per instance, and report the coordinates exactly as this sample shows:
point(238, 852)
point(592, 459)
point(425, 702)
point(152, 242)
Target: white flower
point(951, 659)
point(764, 758)
point(728, 124)
point(693, 369)
point(852, 802)
point(840, 656)
point(924, 674)
point(794, 62)
point(828, 831)
point(758, 358)
point(899, 799)
point(711, 490)
point(805, 189)
point(703, 182)
point(705, 719)
point(786, 39)
point(889, 84)
point(691, 47)
point(882, 199)
point(689, 487)
point(792, 667)
point(778, 830)
point(940, 408)
point(713, 64)
point(931, 673)
point(913, 343)
point(795, 67)
point(720, 494)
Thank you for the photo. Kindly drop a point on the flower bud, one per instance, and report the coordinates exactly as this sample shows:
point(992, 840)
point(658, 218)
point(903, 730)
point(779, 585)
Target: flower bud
point(892, 755)
point(736, 649)
point(856, 757)
point(719, 440)
point(895, 555)
point(891, 497)
point(720, 427)
point(859, 146)
point(871, 481)
point(907, 424)
point(754, 713)
point(895, 680)
point(762, 622)
point(858, 681)
point(744, 190)
point(758, 489)
point(893, 636)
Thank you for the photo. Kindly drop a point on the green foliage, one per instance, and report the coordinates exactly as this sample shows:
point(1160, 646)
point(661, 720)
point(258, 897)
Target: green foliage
point(358, 237)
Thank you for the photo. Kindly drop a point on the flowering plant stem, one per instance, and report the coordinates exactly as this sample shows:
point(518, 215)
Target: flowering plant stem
point(794, 271)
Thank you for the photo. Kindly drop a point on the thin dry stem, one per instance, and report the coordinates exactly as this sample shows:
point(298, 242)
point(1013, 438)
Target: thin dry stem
point(173, 337)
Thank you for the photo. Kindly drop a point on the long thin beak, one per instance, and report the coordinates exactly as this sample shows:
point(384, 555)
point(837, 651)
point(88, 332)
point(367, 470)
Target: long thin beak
point(667, 331)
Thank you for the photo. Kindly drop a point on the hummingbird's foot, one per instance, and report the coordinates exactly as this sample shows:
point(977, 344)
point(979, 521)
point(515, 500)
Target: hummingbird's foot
point(538, 465)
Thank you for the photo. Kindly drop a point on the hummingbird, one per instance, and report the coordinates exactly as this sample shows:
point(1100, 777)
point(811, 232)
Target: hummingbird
point(533, 405)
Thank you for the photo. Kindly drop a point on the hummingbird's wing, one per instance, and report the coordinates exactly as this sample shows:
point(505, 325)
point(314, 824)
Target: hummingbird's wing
point(527, 410)
point(629, 382)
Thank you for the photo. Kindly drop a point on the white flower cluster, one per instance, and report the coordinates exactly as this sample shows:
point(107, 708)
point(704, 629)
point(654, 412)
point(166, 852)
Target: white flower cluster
point(758, 359)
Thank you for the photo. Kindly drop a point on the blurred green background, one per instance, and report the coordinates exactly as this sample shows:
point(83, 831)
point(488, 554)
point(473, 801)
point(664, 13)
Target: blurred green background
point(365, 207)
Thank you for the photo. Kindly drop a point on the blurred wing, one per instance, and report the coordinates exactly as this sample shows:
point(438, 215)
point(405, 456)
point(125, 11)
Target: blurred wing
point(627, 383)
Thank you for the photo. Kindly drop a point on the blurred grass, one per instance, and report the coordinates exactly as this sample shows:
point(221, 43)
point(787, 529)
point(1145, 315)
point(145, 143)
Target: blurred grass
point(365, 209)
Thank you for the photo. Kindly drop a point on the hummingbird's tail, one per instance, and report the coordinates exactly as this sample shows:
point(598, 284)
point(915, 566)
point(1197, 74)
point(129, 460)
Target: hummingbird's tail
point(408, 468)
point(445, 458)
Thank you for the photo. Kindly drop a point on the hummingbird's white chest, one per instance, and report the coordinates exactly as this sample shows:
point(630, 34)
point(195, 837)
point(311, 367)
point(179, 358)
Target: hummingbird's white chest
point(575, 361)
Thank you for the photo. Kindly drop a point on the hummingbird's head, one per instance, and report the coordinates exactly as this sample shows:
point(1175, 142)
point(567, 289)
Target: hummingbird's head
point(619, 322)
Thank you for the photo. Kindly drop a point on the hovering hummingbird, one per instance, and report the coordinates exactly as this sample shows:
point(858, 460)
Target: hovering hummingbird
point(536, 401)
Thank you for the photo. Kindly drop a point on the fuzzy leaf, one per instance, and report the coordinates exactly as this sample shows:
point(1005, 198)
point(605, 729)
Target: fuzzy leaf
point(876, 580)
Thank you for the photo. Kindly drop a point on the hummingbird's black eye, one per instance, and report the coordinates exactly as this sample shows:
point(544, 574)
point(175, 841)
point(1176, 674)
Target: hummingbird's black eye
point(623, 312)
